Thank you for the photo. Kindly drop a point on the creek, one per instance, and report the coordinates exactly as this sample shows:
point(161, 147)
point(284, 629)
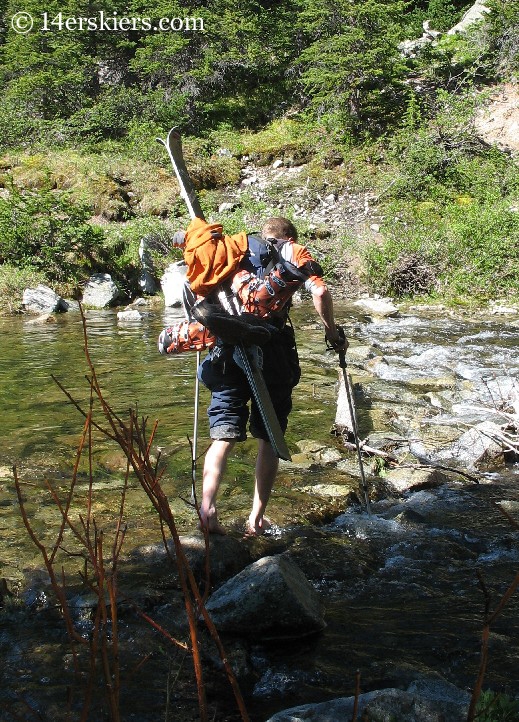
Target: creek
point(400, 588)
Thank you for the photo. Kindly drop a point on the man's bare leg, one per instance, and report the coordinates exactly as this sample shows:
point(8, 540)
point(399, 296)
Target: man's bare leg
point(214, 467)
point(267, 464)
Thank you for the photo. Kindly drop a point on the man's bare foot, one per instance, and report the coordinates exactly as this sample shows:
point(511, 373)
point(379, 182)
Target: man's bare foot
point(212, 525)
point(257, 527)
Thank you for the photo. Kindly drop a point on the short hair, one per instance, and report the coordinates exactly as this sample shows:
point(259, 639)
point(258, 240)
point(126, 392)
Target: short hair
point(278, 227)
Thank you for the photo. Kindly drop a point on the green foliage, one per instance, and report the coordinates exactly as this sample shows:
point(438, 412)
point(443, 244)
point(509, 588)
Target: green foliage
point(13, 282)
point(462, 246)
point(302, 80)
point(451, 208)
point(45, 232)
point(502, 24)
point(495, 707)
point(442, 15)
point(121, 247)
point(427, 153)
point(352, 73)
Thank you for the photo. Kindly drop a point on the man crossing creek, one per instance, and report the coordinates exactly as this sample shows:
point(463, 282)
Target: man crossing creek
point(238, 298)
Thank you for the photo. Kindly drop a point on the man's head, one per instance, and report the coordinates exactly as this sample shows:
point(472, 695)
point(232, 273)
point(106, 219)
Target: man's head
point(280, 228)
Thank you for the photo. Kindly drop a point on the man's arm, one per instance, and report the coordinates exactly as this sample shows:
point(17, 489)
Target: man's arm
point(323, 304)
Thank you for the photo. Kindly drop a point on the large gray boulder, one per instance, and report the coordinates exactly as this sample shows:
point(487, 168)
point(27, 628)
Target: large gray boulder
point(100, 291)
point(424, 701)
point(268, 599)
point(173, 282)
point(473, 14)
point(42, 299)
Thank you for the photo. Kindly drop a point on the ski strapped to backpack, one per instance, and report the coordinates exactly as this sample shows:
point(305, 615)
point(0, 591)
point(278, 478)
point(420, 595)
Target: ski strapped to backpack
point(254, 376)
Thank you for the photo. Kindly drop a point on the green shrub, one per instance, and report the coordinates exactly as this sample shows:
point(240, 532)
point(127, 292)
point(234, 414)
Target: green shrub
point(46, 232)
point(13, 282)
point(465, 247)
point(121, 249)
point(495, 707)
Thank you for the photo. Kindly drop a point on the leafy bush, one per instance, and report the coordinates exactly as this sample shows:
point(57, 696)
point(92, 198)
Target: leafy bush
point(13, 282)
point(46, 232)
point(501, 27)
point(121, 249)
point(495, 707)
point(464, 248)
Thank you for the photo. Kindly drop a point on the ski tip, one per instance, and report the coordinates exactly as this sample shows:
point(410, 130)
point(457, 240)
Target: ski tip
point(174, 134)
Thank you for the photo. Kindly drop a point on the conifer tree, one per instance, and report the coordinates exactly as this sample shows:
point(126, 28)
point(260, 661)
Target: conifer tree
point(352, 70)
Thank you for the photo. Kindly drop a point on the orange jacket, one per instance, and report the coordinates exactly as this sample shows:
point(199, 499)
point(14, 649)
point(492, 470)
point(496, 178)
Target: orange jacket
point(211, 256)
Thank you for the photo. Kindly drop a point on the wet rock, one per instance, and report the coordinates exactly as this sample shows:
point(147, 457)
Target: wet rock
point(173, 282)
point(100, 291)
point(402, 479)
point(237, 655)
point(43, 319)
point(130, 314)
point(361, 354)
point(270, 598)
point(382, 391)
point(380, 706)
point(42, 299)
point(70, 304)
point(377, 307)
point(317, 452)
point(332, 491)
point(227, 557)
point(427, 383)
point(475, 446)
point(389, 442)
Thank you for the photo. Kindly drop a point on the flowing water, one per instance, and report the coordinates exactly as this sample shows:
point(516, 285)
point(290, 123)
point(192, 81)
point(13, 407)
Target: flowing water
point(401, 591)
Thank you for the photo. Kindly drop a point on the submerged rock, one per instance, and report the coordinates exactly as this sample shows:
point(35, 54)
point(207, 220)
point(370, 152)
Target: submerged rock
point(317, 452)
point(406, 479)
point(227, 557)
point(270, 598)
point(129, 314)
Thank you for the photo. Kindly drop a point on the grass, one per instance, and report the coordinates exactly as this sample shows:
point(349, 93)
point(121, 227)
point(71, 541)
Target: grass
point(13, 282)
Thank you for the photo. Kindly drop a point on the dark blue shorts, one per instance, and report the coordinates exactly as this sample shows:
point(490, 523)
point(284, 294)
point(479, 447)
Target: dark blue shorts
point(228, 411)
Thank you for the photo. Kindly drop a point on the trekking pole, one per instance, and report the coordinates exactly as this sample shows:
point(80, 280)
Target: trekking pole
point(349, 396)
point(195, 431)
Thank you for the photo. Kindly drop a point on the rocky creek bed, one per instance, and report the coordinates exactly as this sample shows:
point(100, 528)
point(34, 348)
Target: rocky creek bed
point(395, 595)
